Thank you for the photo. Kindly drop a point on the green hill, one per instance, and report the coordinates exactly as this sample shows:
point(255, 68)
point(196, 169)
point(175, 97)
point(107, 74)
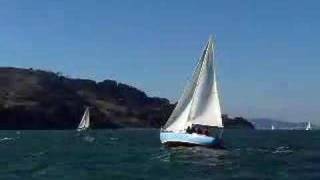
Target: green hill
point(36, 99)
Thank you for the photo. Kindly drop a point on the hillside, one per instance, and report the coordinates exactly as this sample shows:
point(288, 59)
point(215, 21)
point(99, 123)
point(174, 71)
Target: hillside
point(36, 99)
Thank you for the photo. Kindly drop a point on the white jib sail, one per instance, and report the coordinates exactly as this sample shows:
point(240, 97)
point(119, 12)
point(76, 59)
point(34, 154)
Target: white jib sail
point(85, 121)
point(200, 93)
point(205, 108)
point(308, 126)
point(179, 117)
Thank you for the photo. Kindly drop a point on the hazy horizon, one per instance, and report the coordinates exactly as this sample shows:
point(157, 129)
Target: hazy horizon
point(267, 52)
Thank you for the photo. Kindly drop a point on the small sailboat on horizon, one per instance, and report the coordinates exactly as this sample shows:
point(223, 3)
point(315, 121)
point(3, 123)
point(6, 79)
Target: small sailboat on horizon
point(308, 128)
point(85, 121)
point(196, 119)
point(272, 127)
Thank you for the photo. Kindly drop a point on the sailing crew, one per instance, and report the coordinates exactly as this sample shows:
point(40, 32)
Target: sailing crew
point(206, 131)
point(189, 130)
point(193, 130)
point(199, 131)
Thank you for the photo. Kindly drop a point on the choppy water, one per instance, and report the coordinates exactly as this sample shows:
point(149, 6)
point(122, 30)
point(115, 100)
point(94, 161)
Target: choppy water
point(138, 154)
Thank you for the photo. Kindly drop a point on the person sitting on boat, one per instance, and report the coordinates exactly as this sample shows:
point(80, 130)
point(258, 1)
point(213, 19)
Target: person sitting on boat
point(193, 130)
point(206, 132)
point(199, 130)
point(189, 130)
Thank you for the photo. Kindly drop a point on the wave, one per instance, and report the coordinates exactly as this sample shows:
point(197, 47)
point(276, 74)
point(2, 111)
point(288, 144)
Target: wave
point(88, 138)
point(113, 139)
point(193, 155)
point(282, 150)
point(6, 139)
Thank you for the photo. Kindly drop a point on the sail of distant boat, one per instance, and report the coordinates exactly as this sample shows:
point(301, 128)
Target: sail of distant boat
point(272, 127)
point(199, 103)
point(308, 126)
point(85, 121)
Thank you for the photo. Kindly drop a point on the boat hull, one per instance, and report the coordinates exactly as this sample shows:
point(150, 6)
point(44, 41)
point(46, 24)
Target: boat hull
point(185, 139)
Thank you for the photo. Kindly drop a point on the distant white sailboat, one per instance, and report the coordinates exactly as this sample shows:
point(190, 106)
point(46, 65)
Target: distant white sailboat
point(308, 128)
point(272, 127)
point(85, 121)
point(198, 108)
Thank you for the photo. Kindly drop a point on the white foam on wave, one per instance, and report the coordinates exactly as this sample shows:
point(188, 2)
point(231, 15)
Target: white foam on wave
point(282, 150)
point(113, 139)
point(6, 139)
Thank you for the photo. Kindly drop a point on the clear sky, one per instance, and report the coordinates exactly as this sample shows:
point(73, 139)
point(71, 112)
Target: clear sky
point(267, 51)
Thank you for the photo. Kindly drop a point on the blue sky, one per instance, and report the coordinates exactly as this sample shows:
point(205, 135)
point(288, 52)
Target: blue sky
point(267, 51)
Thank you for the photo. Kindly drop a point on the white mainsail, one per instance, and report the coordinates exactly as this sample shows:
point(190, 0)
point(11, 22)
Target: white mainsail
point(199, 104)
point(272, 127)
point(308, 126)
point(85, 121)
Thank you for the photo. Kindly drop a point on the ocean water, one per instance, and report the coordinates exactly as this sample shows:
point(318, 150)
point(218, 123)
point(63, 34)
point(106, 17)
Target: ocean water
point(138, 154)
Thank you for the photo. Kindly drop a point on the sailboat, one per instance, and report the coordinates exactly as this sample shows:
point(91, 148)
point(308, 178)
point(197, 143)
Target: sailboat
point(272, 127)
point(85, 121)
point(197, 109)
point(308, 128)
